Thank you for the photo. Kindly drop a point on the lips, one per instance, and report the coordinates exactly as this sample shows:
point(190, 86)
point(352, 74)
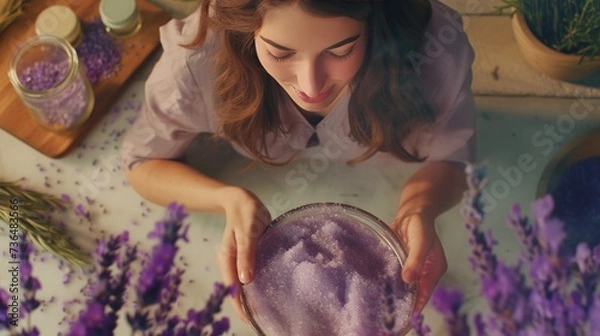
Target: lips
point(313, 100)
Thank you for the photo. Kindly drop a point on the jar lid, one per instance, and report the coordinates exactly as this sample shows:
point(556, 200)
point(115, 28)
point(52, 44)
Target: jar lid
point(118, 14)
point(59, 21)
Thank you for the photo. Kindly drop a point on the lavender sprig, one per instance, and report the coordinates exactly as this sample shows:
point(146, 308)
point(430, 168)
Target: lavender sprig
point(525, 231)
point(483, 259)
point(100, 315)
point(389, 304)
point(169, 295)
point(119, 283)
point(197, 321)
point(107, 294)
point(29, 283)
point(594, 316)
point(550, 303)
point(151, 281)
point(448, 302)
point(416, 322)
point(588, 264)
point(5, 321)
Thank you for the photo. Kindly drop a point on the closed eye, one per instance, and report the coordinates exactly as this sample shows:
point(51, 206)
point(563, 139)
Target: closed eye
point(279, 58)
point(345, 55)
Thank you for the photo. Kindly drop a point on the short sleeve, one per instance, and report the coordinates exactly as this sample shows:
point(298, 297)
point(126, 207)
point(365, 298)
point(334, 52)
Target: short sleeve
point(174, 109)
point(447, 83)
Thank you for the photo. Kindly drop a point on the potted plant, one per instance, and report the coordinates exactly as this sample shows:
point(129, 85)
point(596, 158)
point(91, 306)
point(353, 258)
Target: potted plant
point(558, 38)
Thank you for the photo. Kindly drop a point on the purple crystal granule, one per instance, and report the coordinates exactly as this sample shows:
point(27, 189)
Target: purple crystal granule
point(99, 52)
point(327, 274)
point(42, 76)
point(60, 109)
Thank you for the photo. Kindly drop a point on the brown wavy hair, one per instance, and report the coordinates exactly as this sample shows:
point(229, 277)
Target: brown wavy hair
point(387, 101)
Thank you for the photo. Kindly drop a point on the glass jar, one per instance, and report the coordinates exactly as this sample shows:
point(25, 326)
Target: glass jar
point(120, 17)
point(328, 269)
point(46, 73)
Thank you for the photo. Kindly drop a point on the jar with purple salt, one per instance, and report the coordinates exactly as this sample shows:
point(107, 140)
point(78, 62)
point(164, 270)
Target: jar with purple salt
point(46, 73)
point(328, 269)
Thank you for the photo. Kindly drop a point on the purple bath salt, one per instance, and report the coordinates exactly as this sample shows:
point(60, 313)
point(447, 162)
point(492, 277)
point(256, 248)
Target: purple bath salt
point(99, 52)
point(43, 75)
point(61, 109)
point(327, 274)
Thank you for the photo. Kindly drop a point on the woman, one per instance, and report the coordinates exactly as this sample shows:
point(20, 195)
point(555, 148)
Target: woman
point(370, 81)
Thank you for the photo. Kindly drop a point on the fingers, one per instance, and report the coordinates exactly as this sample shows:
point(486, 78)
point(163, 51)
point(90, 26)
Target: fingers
point(246, 252)
point(247, 218)
point(425, 287)
point(247, 239)
point(434, 267)
point(226, 260)
point(418, 246)
point(426, 262)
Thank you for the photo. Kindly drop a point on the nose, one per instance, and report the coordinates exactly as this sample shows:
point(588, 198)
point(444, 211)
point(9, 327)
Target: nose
point(311, 78)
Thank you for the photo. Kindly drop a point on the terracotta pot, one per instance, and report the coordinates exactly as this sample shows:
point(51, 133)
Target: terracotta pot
point(548, 61)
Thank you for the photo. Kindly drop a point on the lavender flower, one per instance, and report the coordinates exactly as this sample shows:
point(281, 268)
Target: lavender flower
point(526, 232)
point(119, 283)
point(448, 302)
point(169, 295)
point(483, 260)
point(594, 316)
point(588, 264)
point(416, 322)
point(100, 315)
point(583, 258)
point(158, 286)
point(479, 325)
point(198, 320)
point(389, 303)
point(29, 283)
point(152, 282)
point(92, 321)
point(560, 298)
point(4, 311)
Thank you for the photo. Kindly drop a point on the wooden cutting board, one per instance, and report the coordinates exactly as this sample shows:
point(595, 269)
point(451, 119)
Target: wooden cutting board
point(13, 114)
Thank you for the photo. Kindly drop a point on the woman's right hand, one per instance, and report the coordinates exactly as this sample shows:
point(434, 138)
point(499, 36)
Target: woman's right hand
point(246, 219)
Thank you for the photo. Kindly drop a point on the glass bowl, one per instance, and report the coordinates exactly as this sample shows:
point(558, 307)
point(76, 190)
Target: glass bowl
point(328, 269)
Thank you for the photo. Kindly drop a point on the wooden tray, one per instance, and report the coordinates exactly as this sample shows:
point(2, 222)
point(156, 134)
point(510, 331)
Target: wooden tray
point(13, 114)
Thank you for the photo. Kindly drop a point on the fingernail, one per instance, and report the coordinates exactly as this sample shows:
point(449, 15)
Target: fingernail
point(245, 276)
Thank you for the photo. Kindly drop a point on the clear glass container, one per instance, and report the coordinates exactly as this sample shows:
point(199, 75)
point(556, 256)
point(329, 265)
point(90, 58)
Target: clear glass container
point(46, 73)
point(318, 264)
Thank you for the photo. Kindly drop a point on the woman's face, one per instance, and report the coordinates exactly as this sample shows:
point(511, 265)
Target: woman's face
point(312, 58)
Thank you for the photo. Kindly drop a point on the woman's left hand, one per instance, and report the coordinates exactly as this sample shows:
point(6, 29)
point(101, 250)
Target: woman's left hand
point(426, 261)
